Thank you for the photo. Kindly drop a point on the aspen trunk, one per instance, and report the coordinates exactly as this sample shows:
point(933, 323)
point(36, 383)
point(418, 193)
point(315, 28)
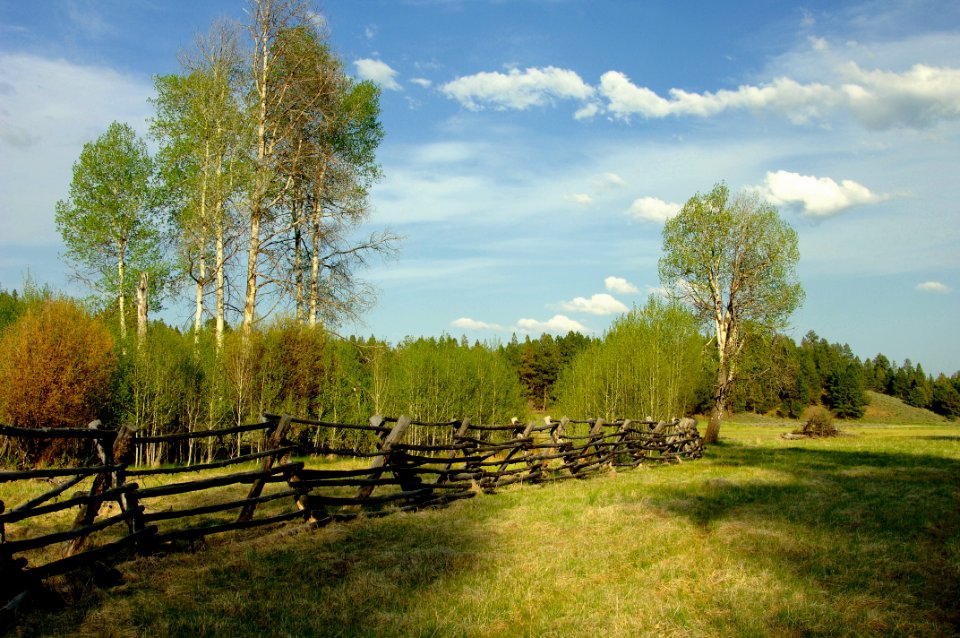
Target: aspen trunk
point(198, 309)
point(221, 282)
point(253, 252)
point(142, 310)
point(121, 297)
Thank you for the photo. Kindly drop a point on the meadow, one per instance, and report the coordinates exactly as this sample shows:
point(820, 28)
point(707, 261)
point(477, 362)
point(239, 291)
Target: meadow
point(851, 536)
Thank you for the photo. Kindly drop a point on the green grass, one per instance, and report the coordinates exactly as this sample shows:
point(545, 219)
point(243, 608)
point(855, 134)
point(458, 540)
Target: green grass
point(852, 536)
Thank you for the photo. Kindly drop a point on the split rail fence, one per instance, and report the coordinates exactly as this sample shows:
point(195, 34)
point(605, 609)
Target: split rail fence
point(121, 507)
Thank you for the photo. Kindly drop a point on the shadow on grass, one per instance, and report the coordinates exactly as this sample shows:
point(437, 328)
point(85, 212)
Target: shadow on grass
point(871, 526)
point(359, 578)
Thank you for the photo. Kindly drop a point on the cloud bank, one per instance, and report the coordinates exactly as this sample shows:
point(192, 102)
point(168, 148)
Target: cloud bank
point(919, 97)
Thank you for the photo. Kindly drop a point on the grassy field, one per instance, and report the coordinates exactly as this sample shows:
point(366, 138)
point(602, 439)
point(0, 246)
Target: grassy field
point(851, 536)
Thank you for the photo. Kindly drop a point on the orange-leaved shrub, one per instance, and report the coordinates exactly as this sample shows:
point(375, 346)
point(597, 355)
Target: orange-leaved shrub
point(56, 367)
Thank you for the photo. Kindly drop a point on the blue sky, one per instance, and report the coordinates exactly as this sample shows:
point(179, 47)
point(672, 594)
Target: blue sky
point(534, 147)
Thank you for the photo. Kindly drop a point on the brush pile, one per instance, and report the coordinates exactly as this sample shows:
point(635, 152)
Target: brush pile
point(819, 425)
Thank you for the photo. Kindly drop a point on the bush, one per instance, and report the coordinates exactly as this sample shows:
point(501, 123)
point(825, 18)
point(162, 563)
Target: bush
point(56, 366)
point(819, 423)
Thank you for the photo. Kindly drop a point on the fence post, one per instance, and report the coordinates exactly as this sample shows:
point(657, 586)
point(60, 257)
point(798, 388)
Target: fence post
point(460, 431)
point(596, 433)
point(380, 461)
point(276, 439)
point(101, 482)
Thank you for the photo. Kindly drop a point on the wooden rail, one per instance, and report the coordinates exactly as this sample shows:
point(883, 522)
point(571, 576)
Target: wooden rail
point(115, 517)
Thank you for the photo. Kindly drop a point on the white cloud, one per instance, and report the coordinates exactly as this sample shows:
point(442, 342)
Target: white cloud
point(620, 286)
point(798, 101)
point(819, 196)
point(611, 180)
point(587, 112)
point(49, 109)
point(918, 98)
point(558, 324)
point(472, 324)
point(653, 209)
point(517, 89)
point(598, 304)
point(581, 199)
point(935, 287)
point(378, 71)
point(424, 82)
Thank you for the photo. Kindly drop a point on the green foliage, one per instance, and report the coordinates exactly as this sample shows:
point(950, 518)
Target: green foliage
point(945, 396)
point(56, 364)
point(108, 223)
point(436, 380)
point(539, 361)
point(732, 257)
point(845, 394)
point(734, 262)
point(648, 364)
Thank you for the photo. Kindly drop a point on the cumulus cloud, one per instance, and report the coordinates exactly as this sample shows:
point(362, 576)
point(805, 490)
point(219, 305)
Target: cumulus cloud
point(934, 287)
point(598, 304)
point(798, 101)
point(819, 196)
point(424, 82)
point(918, 97)
point(620, 286)
point(467, 323)
point(653, 209)
point(880, 99)
point(581, 199)
point(558, 324)
point(517, 89)
point(378, 71)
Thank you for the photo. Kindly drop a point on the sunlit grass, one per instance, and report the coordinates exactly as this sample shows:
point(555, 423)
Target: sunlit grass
point(852, 536)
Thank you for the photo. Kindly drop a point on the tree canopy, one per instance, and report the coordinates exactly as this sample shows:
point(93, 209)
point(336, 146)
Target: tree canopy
point(108, 223)
point(734, 261)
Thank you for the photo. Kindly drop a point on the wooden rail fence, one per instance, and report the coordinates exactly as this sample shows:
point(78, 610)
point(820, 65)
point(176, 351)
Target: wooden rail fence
point(114, 514)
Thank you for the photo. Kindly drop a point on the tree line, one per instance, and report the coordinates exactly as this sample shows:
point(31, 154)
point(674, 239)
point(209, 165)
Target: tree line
point(63, 364)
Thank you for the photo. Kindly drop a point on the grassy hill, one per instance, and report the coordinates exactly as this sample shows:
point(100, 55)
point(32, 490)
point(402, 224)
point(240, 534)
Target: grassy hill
point(891, 410)
point(852, 536)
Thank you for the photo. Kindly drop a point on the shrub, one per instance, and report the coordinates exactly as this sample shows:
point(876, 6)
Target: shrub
point(819, 423)
point(56, 366)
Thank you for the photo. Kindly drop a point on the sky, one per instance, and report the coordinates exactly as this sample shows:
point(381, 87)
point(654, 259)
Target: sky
point(534, 148)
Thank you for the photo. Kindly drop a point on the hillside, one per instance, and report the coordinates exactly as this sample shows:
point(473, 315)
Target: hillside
point(885, 409)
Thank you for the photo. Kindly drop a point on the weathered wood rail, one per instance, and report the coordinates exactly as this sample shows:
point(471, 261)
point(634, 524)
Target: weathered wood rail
point(115, 515)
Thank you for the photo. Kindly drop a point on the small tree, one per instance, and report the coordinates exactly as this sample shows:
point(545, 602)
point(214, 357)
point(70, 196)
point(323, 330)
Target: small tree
point(107, 224)
point(734, 261)
point(56, 367)
point(845, 395)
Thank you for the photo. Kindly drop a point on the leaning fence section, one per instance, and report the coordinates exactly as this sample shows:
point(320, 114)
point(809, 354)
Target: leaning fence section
point(291, 468)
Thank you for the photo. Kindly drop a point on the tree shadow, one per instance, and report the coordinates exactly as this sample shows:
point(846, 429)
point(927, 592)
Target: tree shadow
point(882, 525)
point(359, 578)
